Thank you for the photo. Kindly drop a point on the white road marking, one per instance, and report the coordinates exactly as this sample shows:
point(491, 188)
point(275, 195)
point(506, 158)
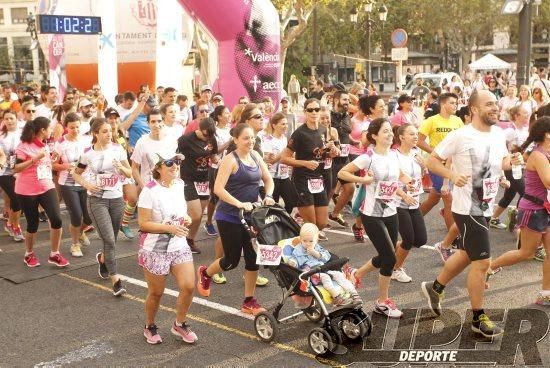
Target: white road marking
point(206, 303)
point(94, 350)
point(426, 246)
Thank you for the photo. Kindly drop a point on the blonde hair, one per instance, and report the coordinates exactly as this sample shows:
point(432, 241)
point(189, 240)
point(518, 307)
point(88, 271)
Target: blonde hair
point(525, 87)
point(309, 229)
point(237, 112)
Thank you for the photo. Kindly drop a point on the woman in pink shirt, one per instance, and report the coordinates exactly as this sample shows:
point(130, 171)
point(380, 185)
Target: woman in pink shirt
point(34, 186)
point(405, 113)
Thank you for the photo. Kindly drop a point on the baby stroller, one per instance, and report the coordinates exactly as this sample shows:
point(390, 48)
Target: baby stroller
point(272, 228)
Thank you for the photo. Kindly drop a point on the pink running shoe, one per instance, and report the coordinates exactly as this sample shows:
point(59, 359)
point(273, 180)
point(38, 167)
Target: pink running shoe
point(31, 260)
point(17, 234)
point(252, 307)
point(184, 332)
point(58, 260)
point(152, 335)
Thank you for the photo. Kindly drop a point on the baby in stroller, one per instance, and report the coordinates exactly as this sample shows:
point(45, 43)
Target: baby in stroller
point(309, 254)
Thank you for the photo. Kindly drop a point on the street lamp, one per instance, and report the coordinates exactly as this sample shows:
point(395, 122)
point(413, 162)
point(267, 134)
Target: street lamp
point(383, 13)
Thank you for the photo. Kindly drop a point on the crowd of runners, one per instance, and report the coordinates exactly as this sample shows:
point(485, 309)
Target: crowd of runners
point(169, 161)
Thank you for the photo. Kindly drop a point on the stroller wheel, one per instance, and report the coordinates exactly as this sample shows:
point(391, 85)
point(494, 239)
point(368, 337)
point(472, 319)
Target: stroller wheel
point(320, 341)
point(313, 313)
point(266, 326)
point(354, 327)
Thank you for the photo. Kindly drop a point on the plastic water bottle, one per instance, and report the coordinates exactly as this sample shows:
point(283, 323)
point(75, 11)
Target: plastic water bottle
point(517, 172)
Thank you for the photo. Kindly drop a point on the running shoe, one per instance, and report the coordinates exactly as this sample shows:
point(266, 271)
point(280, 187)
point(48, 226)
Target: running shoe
point(210, 229)
point(203, 282)
point(118, 289)
point(76, 251)
point(88, 228)
point(349, 272)
point(152, 335)
point(490, 273)
point(444, 253)
point(512, 218)
point(497, 224)
point(58, 260)
point(400, 275)
point(388, 308)
point(322, 236)
point(84, 240)
point(17, 234)
point(193, 247)
point(341, 301)
point(219, 278)
point(42, 217)
point(252, 307)
point(543, 299)
point(358, 233)
point(102, 270)
point(339, 219)
point(125, 229)
point(184, 332)
point(261, 281)
point(8, 229)
point(31, 260)
point(434, 299)
point(540, 254)
point(486, 327)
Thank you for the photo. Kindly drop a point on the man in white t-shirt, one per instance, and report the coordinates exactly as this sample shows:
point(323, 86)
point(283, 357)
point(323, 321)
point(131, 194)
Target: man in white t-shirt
point(45, 109)
point(87, 111)
point(479, 155)
point(127, 105)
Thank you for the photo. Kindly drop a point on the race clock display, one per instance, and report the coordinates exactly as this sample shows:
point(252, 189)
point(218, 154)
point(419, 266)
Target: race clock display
point(69, 24)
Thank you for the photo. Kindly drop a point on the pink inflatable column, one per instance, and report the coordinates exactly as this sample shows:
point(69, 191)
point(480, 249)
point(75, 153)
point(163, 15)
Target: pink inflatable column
point(248, 36)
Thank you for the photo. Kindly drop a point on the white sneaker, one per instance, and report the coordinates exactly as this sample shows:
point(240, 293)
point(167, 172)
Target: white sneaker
point(387, 308)
point(83, 239)
point(76, 251)
point(400, 275)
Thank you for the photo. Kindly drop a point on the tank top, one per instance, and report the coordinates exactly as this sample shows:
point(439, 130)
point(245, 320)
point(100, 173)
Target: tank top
point(534, 187)
point(244, 185)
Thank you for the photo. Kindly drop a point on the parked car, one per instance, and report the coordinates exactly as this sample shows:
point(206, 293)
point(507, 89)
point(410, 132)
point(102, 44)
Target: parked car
point(431, 80)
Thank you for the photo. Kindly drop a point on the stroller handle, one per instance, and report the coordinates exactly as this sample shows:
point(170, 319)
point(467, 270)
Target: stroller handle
point(331, 265)
point(243, 221)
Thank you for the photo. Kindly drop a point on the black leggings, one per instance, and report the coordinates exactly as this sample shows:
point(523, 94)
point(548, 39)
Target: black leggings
point(411, 228)
point(283, 188)
point(234, 239)
point(75, 198)
point(516, 186)
point(49, 202)
point(382, 232)
point(7, 183)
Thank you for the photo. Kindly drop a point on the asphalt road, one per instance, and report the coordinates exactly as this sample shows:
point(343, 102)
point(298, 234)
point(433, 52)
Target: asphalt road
point(72, 319)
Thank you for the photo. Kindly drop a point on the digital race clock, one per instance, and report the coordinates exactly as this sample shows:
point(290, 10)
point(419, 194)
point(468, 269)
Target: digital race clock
point(69, 24)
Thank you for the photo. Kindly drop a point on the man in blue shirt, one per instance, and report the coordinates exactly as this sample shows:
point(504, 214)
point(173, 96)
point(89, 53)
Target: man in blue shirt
point(136, 123)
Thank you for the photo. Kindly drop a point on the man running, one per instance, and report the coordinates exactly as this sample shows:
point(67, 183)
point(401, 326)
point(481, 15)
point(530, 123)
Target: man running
point(479, 155)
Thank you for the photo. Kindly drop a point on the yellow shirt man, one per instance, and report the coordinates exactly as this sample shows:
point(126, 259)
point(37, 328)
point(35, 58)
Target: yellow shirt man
point(436, 127)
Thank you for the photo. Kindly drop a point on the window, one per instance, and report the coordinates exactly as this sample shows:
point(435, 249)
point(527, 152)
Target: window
point(22, 55)
point(1, 16)
point(19, 15)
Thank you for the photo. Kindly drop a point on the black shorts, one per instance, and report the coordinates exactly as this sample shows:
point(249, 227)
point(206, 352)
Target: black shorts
point(191, 194)
point(474, 231)
point(535, 220)
point(305, 197)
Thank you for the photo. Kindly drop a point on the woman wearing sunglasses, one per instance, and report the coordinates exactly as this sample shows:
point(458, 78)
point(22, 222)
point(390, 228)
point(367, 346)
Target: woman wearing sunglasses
point(198, 147)
point(163, 221)
point(28, 113)
point(306, 152)
point(107, 166)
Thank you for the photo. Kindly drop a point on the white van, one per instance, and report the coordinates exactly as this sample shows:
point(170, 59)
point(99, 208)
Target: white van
point(432, 80)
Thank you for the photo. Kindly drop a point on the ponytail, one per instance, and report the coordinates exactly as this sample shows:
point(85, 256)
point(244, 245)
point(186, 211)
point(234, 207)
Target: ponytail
point(32, 128)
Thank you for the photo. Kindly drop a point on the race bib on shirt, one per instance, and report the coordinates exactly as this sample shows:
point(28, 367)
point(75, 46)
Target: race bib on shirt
point(44, 172)
point(344, 150)
point(202, 188)
point(11, 161)
point(283, 170)
point(385, 190)
point(490, 188)
point(328, 163)
point(315, 185)
point(107, 181)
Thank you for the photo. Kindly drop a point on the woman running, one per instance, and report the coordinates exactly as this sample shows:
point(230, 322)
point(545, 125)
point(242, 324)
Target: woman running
point(378, 210)
point(34, 187)
point(163, 221)
point(197, 147)
point(10, 137)
point(237, 186)
point(411, 222)
point(108, 166)
point(69, 149)
point(534, 207)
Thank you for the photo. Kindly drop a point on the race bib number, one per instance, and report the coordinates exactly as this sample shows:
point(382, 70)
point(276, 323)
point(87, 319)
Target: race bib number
point(268, 255)
point(315, 185)
point(44, 172)
point(202, 187)
point(385, 190)
point(328, 163)
point(344, 150)
point(283, 170)
point(11, 161)
point(490, 188)
point(107, 181)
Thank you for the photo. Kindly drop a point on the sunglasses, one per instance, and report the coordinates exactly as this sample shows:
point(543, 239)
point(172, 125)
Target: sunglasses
point(30, 111)
point(257, 116)
point(203, 111)
point(312, 109)
point(170, 163)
